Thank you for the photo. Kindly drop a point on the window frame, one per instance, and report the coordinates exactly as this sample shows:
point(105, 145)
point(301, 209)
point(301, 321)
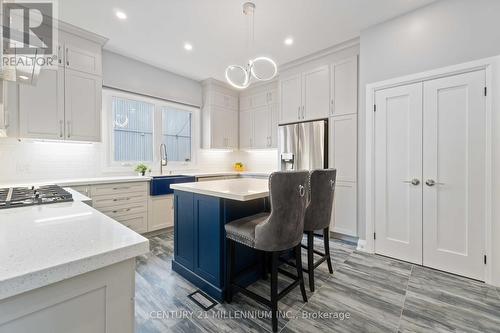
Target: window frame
point(111, 165)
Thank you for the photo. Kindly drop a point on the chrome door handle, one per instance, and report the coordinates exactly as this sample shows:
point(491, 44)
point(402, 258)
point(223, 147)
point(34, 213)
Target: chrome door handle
point(432, 182)
point(414, 181)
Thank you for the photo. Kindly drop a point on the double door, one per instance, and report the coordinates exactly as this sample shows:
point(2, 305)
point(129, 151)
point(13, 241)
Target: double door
point(430, 173)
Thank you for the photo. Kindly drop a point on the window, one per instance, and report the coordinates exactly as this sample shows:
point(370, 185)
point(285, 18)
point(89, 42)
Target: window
point(132, 130)
point(137, 125)
point(176, 132)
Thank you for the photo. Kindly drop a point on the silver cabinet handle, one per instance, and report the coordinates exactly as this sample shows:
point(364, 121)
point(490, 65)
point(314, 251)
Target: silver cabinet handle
point(298, 113)
point(432, 182)
point(59, 55)
point(414, 181)
point(332, 105)
point(303, 112)
point(61, 128)
point(67, 56)
point(121, 188)
point(68, 123)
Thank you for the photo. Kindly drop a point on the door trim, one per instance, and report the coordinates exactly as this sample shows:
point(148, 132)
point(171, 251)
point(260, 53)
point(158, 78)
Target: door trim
point(491, 66)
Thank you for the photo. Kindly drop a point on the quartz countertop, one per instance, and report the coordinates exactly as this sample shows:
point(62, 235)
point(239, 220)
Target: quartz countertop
point(44, 244)
point(242, 189)
point(81, 181)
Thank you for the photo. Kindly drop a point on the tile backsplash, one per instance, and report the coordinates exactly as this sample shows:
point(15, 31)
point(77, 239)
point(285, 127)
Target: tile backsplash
point(37, 161)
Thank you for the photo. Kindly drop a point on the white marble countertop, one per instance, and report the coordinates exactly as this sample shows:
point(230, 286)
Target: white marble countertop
point(41, 245)
point(77, 196)
point(242, 189)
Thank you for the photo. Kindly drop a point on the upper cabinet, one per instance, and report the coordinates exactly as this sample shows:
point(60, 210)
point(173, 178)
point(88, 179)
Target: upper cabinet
point(320, 92)
point(258, 117)
point(344, 87)
point(219, 116)
point(65, 103)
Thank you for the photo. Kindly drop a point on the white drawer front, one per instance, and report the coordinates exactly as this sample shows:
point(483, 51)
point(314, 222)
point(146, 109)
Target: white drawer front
point(136, 222)
point(120, 210)
point(111, 201)
point(121, 188)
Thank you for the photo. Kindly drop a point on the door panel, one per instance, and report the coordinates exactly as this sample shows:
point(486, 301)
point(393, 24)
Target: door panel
point(455, 158)
point(344, 216)
point(246, 129)
point(41, 107)
point(398, 159)
point(343, 146)
point(316, 92)
point(261, 129)
point(291, 99)
point(83, 106)
point(345, 87)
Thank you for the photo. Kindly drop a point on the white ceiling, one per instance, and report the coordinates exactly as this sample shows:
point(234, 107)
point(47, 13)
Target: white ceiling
point(155, 30)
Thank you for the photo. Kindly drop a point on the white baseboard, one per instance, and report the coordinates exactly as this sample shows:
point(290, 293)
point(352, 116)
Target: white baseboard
point(361, 245)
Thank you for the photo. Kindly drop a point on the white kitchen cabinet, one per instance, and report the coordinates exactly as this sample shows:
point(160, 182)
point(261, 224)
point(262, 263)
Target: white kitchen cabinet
point(305, 96)
point(83, 106)
point(246, 128)
point(65, 103)
point(343, 146)
point(219, 116)
point(161, 212)
point(245, 102)
point(344, 215)
point(291, 98)
point(344, 87)
point(41, 107)
point(315, 93)
point(262, 127)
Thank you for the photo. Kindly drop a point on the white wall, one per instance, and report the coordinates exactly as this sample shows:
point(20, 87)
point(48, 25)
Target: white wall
point(444, 33)
point(132, 75)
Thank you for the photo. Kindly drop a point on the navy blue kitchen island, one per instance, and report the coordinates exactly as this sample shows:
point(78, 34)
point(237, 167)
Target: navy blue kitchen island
point(201, 211)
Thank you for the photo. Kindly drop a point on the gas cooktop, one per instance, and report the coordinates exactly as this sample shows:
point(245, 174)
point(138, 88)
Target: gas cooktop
point(27, 196)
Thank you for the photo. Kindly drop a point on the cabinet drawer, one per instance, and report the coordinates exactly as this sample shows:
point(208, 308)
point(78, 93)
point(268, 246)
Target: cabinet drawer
point(108, 201)
point(120, 210)
point(136, 222)
point(121, 188)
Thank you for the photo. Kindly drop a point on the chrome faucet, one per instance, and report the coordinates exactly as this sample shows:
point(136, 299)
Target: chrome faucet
point(163, 157)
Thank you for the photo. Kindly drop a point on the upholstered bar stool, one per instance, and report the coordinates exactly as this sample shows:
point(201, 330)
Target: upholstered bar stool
point(274, 233)
point(318, 216)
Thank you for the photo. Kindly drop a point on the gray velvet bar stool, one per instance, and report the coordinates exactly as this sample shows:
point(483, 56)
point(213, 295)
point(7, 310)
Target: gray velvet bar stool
point(273, 233)
point(318, 216)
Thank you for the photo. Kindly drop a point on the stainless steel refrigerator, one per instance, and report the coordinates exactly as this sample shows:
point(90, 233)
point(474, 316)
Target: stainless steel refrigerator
point(303, 146)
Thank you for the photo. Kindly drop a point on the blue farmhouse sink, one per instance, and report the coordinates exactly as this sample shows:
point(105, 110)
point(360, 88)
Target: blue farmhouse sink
point(160, 185)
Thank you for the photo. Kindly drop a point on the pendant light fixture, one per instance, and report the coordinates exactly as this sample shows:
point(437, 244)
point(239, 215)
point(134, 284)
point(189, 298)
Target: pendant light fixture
point(249, 72)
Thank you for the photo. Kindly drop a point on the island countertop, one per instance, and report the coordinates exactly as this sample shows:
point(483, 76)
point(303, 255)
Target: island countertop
point(41, 245)
point(234, 189)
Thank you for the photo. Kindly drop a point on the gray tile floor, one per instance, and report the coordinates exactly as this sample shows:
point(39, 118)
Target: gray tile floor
point(366, 293)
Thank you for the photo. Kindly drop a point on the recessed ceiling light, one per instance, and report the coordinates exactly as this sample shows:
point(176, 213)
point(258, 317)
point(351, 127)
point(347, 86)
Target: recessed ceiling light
point(23, 77)
point(288, 41)
point(121, 15)
point(188, 46)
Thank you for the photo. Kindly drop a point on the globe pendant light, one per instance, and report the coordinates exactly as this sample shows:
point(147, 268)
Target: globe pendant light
point(249, 72)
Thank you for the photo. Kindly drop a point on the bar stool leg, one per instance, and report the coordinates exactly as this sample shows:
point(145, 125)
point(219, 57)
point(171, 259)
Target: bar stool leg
point(310, 259)
point(274, 290)
point(298, 264)
point(326, 239)
point(265, 266)
point(230, 270)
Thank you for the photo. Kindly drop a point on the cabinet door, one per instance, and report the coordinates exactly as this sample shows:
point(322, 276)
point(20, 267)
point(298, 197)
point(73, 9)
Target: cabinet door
point(83, 106)
point(84, 59)
point(272, 96)
point(184, 229)
point(291, 99)
point(344, 215)
point(217, 127)
point(262, 127)
point(273, 110)
point(41, 107)
point(316, 93)
point(162, 212)
point(259, 99)
point(344, 76)
point(231, 127)
point(246, 129)
point(343, 146)
point(245, 102)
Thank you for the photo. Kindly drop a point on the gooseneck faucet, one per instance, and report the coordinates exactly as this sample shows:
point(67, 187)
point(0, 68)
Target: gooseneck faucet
point(163, 157)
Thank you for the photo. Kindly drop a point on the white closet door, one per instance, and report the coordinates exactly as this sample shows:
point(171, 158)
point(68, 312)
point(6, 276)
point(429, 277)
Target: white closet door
point(398, 161)
point(455, 160)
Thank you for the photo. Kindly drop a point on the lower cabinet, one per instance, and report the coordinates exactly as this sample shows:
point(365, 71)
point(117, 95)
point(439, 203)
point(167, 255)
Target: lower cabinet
point(161, 212)
point(344, 215)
